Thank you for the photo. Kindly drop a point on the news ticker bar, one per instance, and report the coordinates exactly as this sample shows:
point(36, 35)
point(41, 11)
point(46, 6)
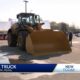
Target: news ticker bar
point(59, 68)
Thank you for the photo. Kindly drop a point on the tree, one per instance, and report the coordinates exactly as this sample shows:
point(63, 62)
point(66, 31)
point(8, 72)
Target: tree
point(72, 28)
point(64, 26)
point(54, 25)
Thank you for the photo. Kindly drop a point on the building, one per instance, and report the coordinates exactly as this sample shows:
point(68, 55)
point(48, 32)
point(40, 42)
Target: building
point(4, 26)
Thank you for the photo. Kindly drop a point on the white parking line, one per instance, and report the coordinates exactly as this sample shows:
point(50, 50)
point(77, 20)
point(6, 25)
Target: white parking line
point(39, 61)
point(75, 42)
point(4, 59)
point(68, 62)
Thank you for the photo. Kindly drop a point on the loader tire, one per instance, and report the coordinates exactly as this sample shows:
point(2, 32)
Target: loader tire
point(21, 40)
point(12, 40)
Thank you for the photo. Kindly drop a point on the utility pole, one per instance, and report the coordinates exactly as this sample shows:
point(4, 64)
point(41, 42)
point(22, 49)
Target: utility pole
point(25, 5)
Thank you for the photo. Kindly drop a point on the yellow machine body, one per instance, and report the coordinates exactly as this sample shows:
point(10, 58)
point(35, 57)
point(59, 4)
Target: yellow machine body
point(43, 42)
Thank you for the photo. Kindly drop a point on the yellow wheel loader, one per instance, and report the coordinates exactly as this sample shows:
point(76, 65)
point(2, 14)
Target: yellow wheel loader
point(28, 35)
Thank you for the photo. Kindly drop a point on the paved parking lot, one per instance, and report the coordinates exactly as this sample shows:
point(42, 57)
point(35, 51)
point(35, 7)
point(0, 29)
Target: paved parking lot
point(14, 55)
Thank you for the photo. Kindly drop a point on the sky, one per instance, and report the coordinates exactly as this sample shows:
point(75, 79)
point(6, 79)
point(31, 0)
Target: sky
point(53, 10)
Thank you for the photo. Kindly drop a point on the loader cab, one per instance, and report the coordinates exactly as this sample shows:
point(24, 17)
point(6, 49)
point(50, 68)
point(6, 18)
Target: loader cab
point(28, 19)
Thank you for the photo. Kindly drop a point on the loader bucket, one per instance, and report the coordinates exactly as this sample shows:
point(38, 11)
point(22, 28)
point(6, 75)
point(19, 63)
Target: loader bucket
point(47, 42)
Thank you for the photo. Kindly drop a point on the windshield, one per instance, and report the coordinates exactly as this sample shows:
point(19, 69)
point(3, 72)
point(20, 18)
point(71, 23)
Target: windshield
point(32, 19)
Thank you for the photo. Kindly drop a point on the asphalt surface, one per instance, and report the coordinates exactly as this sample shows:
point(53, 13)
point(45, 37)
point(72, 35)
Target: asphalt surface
point(14, 55)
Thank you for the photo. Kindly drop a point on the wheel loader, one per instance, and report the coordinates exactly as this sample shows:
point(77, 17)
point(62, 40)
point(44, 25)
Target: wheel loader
point(27, 34)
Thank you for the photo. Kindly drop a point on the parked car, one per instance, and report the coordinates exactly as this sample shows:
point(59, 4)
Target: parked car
point(77, 34)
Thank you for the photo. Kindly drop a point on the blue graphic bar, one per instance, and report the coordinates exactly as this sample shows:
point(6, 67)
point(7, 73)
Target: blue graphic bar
point(27, 67)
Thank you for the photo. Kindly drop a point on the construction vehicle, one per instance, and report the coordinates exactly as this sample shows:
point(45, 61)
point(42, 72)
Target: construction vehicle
point(28, 35)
